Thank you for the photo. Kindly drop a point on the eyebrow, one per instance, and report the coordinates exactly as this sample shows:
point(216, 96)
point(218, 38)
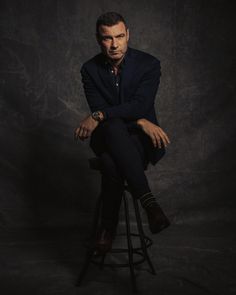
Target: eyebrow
point(109, 36)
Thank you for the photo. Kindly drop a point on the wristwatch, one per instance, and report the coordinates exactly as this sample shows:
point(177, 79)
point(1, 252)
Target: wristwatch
point(96, 116)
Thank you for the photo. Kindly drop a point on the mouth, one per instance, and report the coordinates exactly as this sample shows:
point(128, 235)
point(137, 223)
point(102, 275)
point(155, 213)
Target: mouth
point(114, 52)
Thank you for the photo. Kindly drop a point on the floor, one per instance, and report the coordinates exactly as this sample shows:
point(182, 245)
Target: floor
point(188, 260)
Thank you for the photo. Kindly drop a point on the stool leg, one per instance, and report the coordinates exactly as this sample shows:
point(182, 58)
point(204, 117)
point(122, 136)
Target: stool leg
point(96, 216)
point(101, 265)
point(141, 235)
point(130, 247)
point(83, 271)
point(89, 253)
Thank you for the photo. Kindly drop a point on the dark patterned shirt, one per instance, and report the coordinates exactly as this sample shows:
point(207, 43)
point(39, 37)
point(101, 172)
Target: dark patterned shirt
point(116, 78)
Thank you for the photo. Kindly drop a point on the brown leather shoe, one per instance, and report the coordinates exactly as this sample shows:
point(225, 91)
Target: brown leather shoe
point(156, 218)
point(103, 243)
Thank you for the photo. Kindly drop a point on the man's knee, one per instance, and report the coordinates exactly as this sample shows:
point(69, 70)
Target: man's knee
point(113, 122)
point(114, 125)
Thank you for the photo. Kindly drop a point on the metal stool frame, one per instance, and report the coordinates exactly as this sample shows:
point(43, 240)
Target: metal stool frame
point(145, 241)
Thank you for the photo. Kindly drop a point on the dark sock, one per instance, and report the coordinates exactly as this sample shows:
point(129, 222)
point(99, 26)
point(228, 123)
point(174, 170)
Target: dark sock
point(148, 200)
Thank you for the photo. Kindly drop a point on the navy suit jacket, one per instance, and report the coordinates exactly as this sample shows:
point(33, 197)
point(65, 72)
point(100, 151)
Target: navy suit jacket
point(140, 77)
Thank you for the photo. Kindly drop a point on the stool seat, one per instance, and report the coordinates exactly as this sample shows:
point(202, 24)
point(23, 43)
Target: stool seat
point(95, 164)
point(140, 251)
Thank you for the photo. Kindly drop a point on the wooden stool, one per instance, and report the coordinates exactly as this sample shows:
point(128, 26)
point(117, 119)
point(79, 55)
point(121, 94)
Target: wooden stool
point(141, 251)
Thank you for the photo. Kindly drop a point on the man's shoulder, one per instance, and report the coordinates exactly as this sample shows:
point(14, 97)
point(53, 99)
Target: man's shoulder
point(142, 56)
point(94, 61)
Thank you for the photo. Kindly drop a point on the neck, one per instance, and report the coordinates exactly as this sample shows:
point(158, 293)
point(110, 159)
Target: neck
point(116, 63)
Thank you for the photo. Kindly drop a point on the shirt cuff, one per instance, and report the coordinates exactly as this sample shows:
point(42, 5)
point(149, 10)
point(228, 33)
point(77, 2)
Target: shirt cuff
point(104, 115)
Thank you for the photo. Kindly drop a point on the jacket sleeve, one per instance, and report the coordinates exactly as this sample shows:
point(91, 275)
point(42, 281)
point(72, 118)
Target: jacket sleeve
point(142, 100)
point(95, 100)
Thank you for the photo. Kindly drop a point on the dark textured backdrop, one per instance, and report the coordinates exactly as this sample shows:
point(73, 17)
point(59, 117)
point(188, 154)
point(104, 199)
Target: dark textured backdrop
point(45, 179)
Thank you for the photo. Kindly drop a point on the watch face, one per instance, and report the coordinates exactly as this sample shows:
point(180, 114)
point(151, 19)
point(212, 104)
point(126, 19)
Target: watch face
point(96, 115)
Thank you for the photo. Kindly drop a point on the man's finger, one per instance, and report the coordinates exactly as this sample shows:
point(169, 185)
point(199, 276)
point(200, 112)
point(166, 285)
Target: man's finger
point(84, 134)
point(159, 143)
point(166, 137)
point(153, 138)
point(157, 140)
point(164, 134)
point(76, 134)
point(89, 133)
point(81, 131)
point(164, 140)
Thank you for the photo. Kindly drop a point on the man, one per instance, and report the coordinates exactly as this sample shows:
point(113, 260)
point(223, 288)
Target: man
point(120, 86)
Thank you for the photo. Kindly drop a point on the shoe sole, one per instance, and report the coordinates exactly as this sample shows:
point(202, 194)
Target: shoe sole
point(156, 231)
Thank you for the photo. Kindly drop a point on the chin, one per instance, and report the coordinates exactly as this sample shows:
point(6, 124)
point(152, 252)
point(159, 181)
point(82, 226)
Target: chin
point(116, 57)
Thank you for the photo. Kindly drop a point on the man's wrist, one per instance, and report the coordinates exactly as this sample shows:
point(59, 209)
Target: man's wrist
point(140, 122)
point(98, 116)
point(102, 115)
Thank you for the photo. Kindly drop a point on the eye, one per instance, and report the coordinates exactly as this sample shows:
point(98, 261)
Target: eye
point(105, 38)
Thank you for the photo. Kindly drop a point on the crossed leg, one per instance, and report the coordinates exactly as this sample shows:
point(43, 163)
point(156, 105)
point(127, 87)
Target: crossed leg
point(123, 158)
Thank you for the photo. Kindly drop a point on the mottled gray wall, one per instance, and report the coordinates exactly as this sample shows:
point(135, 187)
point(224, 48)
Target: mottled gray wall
point(45, 179)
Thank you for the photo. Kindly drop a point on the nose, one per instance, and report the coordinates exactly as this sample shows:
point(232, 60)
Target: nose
point(114, 43)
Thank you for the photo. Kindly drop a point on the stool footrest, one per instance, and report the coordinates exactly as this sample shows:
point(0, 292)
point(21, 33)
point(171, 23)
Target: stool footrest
point(116, 264)
point(148, 241)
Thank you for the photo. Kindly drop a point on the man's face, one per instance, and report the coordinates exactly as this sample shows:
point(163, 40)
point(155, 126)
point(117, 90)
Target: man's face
point(113, 41)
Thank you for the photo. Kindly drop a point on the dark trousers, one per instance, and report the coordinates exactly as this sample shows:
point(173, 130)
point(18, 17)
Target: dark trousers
point(123, 158)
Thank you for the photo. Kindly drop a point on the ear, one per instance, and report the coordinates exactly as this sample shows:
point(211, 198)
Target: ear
point(98, 38)
point(127, 32)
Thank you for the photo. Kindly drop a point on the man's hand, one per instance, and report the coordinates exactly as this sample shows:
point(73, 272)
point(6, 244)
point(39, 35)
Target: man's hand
point(85, 128)
point(155, 132)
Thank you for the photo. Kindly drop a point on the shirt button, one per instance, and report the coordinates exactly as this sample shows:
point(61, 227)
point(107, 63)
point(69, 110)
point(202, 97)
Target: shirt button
point(112, 71)
point(117, 84)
